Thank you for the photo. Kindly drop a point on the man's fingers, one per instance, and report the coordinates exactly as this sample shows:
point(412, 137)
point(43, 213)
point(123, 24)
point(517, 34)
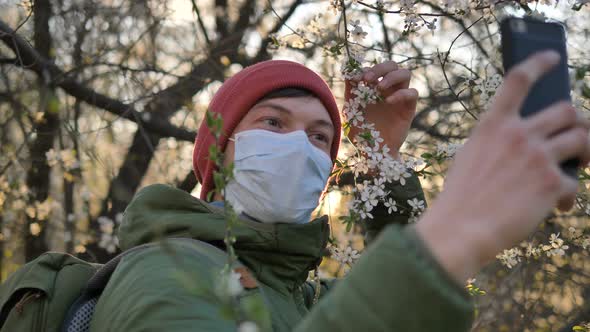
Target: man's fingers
point(518, 82)
point(379, 70)
point(556, 118)
point(395, 77)
point(359, 76)
point(572, 143)
point(569, 188)
point(404, 95)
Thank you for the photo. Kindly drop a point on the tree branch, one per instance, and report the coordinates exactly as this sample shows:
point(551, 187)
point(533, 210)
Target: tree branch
point(29, 58)
point(8, 61)
point(201, 23)
point(263, 51)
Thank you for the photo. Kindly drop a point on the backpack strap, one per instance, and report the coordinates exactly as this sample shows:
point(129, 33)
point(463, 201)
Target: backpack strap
point(80, 313)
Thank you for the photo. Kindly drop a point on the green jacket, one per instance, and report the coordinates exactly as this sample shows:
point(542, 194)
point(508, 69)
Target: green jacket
point(395, 286)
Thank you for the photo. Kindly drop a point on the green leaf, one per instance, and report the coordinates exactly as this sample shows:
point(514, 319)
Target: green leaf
point(219, 180)
point(426, 155)
point(209, 119)
point(366, 135)
point(213, 153)
point(348, 226)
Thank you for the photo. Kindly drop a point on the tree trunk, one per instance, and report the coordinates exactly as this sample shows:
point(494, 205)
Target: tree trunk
point(46, 130)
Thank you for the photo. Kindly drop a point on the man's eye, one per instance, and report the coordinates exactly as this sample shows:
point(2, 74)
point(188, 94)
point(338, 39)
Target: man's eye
point(320, 137)
point(272, 122)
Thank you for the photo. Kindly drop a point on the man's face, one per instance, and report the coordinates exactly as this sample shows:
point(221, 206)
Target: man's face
point(284, 115)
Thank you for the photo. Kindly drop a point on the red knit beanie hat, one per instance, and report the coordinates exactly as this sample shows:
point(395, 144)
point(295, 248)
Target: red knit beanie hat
point(239, 93)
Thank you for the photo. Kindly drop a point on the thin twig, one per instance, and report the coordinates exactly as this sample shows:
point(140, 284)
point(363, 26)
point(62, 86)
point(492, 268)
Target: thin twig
point(201, 23)
point(443, 63)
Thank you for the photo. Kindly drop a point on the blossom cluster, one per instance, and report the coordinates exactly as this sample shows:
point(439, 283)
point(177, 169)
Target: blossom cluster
point(555, 247)
point(344, 256)
point(577, 237)
point(487, 88)
point(371, 160)
point(447, 150)
point(371, 155)
point(108, 239)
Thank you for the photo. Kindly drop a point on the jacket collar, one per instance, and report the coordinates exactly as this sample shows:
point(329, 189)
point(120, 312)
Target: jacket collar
point(280, 255)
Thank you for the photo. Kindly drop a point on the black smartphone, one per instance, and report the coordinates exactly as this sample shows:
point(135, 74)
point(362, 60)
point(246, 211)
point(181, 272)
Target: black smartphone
point(521, 37)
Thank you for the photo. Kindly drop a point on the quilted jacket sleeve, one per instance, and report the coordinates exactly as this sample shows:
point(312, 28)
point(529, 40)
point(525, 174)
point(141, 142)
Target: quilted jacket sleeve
point(395, 286)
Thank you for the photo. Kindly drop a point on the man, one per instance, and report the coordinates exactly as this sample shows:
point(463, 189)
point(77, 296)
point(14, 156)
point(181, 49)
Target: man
point(282, 129)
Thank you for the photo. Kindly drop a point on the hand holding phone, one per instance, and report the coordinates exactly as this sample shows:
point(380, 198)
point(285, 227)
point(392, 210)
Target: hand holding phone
point(520, 39)
point(505, 180)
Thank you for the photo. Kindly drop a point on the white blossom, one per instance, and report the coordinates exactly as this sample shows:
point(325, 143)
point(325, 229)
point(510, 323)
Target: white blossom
point(532, 251)
point(413, 163)
point(390, 205)
point(510, 257)
point(106, 224)
point(108, 240)
point(556, 246)
point(357, 33)
point(365, 214)
point(229, 283)
point(347, 255)
point(487, 87)
point(416, 204)
point(315, 26)
point(448, 150)
point(248, 326)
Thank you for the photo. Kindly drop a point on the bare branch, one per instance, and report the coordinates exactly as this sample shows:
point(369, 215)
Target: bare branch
point(263, 51)
point(29, 58)
point(8, 61)
point(201, 23)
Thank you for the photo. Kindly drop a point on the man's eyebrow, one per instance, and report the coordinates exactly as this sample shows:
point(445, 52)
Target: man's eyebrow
point(277, 107)
point(324, 123)
point(283, 109)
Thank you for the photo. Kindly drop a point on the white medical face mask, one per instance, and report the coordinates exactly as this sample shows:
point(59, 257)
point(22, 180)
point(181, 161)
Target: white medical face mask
point(277, 177)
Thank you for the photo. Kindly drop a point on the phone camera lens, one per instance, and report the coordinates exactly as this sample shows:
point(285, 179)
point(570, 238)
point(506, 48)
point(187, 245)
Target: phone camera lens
point(518, 26)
